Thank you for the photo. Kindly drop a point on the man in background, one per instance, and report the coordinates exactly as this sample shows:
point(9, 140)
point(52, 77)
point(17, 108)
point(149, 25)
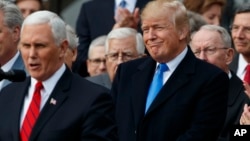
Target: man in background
point(89, 27)
point(240, 31)
point(10, 24)
point(29, 6)
point(96, 56)
point(213, 44)
point(71, 53)
point(122, 45)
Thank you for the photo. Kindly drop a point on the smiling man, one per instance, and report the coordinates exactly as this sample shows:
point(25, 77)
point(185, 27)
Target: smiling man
point(240, 31)
point(191, 104)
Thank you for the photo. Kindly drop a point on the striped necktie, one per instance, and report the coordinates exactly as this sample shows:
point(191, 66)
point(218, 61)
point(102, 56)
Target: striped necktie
point(32, 113)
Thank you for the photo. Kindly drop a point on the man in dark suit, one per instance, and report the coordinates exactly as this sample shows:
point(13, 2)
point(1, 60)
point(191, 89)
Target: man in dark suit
point(10, 25)
point(96, 18)
point(191, 105)
point(241, 38)
point(64, 107)
point(213, 44)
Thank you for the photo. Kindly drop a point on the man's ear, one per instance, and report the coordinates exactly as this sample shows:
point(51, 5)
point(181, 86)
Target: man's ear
point(74, 51)
point(64, 46)
point(183, 33)
point(16, 34)
point(229, 55)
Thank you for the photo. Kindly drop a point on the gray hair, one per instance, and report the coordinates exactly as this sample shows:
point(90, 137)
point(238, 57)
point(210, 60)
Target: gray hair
point(99, 41)
point(71, 37)
point(12, 15)
point(125, 32)
point(225, 36)
point(52, 19)
point(195, 21)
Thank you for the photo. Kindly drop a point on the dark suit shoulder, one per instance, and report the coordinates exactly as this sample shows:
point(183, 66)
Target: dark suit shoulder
point(87, 86)
point(87, 93)
point(206, 68)
point(234, 64)
point(94, 78)
point(102, 79)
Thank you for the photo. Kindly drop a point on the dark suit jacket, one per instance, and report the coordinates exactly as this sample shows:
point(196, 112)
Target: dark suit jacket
point(96, 18)
point(236, 100)
point(191, 106)
point(83, 111)
point(234, 64)
point(18, 65)
point(102, 79)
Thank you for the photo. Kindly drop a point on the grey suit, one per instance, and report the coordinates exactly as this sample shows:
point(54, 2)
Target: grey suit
point(17, 65)
point(102, 79)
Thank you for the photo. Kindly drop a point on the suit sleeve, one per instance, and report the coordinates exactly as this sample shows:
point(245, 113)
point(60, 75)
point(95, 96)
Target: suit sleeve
point(100, 123)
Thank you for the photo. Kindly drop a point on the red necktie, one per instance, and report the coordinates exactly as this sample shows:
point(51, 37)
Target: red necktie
point(32, 113)
point(247, 74)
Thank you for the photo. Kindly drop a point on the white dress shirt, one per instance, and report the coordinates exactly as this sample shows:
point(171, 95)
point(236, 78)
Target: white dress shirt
point(241, 67)
point(172, 65)
point(48, 87)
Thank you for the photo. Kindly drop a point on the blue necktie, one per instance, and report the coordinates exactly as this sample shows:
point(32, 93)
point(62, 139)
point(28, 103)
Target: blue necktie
point(123, 4)
point(156, 84)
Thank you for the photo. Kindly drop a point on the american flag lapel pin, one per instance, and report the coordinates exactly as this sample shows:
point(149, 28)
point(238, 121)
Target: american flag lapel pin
point(53, 101)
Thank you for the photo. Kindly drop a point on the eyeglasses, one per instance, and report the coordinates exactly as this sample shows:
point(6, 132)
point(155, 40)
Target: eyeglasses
point(124, 56)
point(236, 28)
point(208, 50)
point(97, 61)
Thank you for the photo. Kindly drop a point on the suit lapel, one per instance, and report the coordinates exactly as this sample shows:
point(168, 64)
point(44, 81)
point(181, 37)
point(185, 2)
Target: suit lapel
point(141, 81)
point(177, 80)
point(17, 108)
point(59, 94)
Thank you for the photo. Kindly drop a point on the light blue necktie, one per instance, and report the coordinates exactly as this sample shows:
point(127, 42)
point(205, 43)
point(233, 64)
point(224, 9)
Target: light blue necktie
point(156, 84)
point(123, 4)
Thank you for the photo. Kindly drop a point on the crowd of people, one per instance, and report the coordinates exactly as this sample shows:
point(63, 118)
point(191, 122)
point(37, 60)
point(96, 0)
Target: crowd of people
point(132, 70)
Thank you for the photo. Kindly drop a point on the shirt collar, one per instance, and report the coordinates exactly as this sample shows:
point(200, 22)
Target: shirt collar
point(50, 83)
point(242, 65)
point(172, 65)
